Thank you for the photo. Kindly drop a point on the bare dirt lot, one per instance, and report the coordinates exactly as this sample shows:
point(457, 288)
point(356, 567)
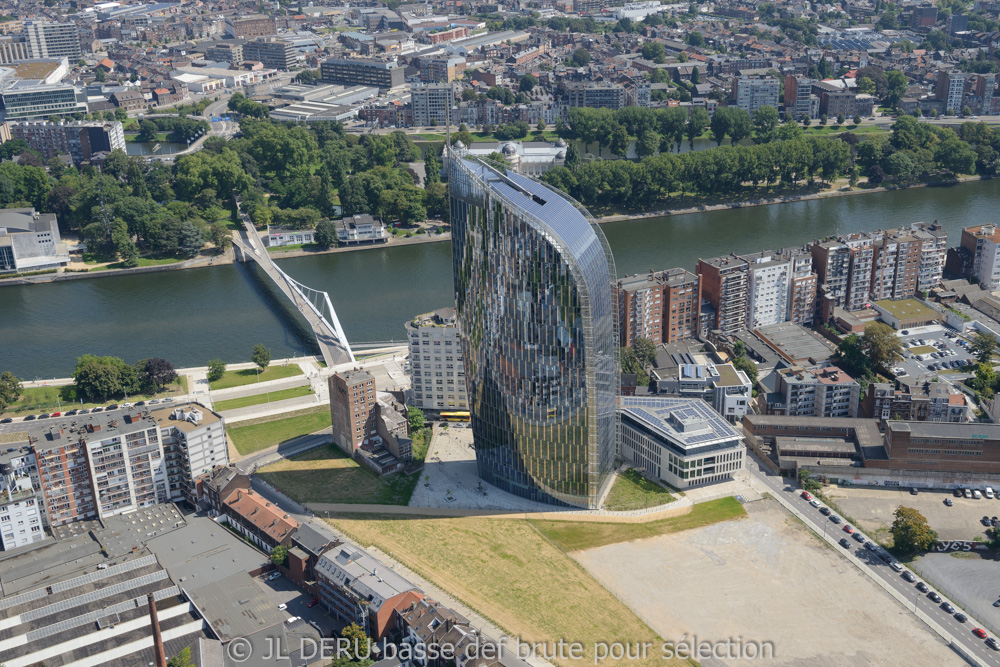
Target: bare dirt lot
point(765, 578)
point(873, 508)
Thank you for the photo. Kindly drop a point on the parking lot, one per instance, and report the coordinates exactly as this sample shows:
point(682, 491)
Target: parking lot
point(282, 591)
point(872, 508)
point(933, 350)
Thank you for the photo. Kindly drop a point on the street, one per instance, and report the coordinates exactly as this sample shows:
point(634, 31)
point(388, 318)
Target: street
point(958, 634)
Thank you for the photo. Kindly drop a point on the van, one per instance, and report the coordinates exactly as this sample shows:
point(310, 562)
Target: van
point(976, 494)
point(989, 492)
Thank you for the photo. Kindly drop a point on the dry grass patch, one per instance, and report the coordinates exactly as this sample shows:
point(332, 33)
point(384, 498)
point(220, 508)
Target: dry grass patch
point(508, 572)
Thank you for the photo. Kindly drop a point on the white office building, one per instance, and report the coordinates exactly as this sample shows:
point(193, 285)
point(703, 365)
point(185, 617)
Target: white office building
point(53, 40)
point(30, 241)
point(681, 441)
point(436, 369)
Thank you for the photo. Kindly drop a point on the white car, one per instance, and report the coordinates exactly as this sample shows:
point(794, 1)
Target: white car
point(976, 494)
point(989, 492)
point(273, 576)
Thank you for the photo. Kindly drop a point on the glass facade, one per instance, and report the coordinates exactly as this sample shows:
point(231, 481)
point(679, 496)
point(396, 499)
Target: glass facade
point(537, 324)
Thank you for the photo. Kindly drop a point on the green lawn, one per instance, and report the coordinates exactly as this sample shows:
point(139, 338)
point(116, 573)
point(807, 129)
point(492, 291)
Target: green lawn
point(570, 536)
point(922, 349)
point(328, 475)
point(264, 433)
point(134, 138)
point(294, 246)
point(632, 491)
point(143, 261)
point(257, 399)
point(250, 376)
point(48, 399)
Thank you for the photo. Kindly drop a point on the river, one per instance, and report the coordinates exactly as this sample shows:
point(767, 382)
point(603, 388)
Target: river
point(191, 316)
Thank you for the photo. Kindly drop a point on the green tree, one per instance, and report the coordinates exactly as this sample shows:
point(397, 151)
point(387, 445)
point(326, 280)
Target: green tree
point(983, 347)
point(866, 86)
point(897, 84)
point(279, 555)
point(910, 531)
point(222, 236)
point(654, 51)
point(765, 124)
point(527, 83)
point(10, 390)
point(359, 645)
point(147, 131)
point(182, 659)
point(326, 233)
point(416, 417)
point(98, 378)
point(261, 356)
point(696, 39)
point(881, 345)
point(216, 369)
point(808, 482)
point(645, 351)
point(580, 58)
point(696, 124)
point(155, 373)
point(100, 76)
point(749, 367)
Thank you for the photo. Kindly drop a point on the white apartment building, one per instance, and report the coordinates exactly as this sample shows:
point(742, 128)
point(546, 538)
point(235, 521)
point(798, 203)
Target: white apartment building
point(20, 498)
point(682, 441)
point(983, 245)
point(53, 40)
point(436, 370)
point(127, 467)
point(821, 392)
point(752, 93)
point(770, 281)
point(194, 445)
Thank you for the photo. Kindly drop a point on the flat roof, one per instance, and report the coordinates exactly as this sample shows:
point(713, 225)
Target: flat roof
point(954, 430)
point(163, 416)
point(801, 444)
point(794, 342)
point(908, 309)
point(235, 606)
point(690, 423)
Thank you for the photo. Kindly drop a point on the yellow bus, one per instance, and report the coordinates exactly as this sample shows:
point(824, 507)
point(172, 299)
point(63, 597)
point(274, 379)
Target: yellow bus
point(460, 416)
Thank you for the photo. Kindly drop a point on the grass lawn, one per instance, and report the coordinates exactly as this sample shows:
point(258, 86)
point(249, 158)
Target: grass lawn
point(511, 574)
point(47, 399)
point(571, 536)
point(294, 246)
point(328, 475)
point(143, 261)
point(922, 349)
point(249, 376)
point(265, 433)
point(246, 401)
point(632, 491)
point(134, 138)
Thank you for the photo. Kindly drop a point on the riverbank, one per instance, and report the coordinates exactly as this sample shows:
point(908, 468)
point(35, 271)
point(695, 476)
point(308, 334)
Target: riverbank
point(195, 263)
point(787, 199)
point(392, 243)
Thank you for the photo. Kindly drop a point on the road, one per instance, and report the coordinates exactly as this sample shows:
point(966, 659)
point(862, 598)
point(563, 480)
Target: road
point(958, 634)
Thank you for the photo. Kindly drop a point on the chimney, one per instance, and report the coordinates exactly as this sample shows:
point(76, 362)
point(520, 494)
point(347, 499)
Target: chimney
point(161, 658)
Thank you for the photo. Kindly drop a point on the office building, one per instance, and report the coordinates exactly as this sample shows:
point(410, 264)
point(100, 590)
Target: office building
point(798, 93)
point(30, 241)
point(53, 40)
point(30, 100)
point(752, 93)
point(596, 95)
point(923, 17)
point(352, 408)
point(726, 389)
point(21, 502)
point(664, 307)
point(982, 242)
point(14, 48)
point(537, 321)
point(80, 140)
point(251, 26)
point(358, 588)
point(821, 392)
point(437, 373)
point(431, 103)
point(226, 52)
point(273, 53)
point(950, 89)
point(681, 441)
point(725, 283)
point(442, 69)
point(381, 74)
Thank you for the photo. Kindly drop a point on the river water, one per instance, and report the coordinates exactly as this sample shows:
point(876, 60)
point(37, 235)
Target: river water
point(191, 316)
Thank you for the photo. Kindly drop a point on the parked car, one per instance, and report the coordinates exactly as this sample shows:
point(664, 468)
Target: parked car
point(282, 607)
point(947, 607)
point(113, 406)
point(979, 632)
point(313, 602)
point(968, 493)
point(844, 542)
point(909, 576)
point(985, 521)
point(922, 587)
point(97, 409)
point(988, 492)
point(834, 518)
point(825, 511)
point(934, 596)
point(847, 528)
point(993, 644)
point(273, 576)
point(958, 493)
point(56, 414)
point(154, 401)
point(949, 502)
point(976, 494)
point(30, 418)
point(44, 415)
point(858, 537)
point(960, 618)
point(870, 546)
point(814, 502)
point(806, 495)
point(6, 420)
point(71, 413)
point(913, 491)
point(84, 411)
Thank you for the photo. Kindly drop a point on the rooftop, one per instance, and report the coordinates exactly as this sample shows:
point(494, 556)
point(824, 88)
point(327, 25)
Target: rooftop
point(369, 578)
point(690, 424)
point(671, 278)
point(794, 342)
point(235, 606)
point(906, 310)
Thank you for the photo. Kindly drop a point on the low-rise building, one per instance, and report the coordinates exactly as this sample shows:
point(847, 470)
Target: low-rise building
point(358, 588)
point(727, 390)
point(130, 100)
point(30, 241)
point(682, 441)
point(437, 372)
point(21, 501)
point(259, 520)
point(361, 229)
point(906, 313)
point(277, 237)
point(222, 485)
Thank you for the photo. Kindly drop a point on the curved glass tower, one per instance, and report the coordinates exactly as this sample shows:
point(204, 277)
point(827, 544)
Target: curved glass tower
point(536, 318)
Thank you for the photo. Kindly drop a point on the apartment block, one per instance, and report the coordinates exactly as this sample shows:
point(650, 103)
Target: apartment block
point(352, 408)
point(982, 243)
point(798, 92)
point(431, 103)
point(930, 401)
point(752, 93)
point(81, 140)
point(437, 371)
point(596, 95)
point(443, 69)
point(820, 392)
point(725, 283)
point(21, 502)
point(664, 307)
point(248, 27)
point(382, 74)
point(782, 288)
point(194, 446)
point(950, 89)
point(53, 40)
point(226, 52)
point(273, 53)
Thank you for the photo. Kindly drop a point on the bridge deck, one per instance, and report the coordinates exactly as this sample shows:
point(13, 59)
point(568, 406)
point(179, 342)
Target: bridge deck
point(335, 351)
